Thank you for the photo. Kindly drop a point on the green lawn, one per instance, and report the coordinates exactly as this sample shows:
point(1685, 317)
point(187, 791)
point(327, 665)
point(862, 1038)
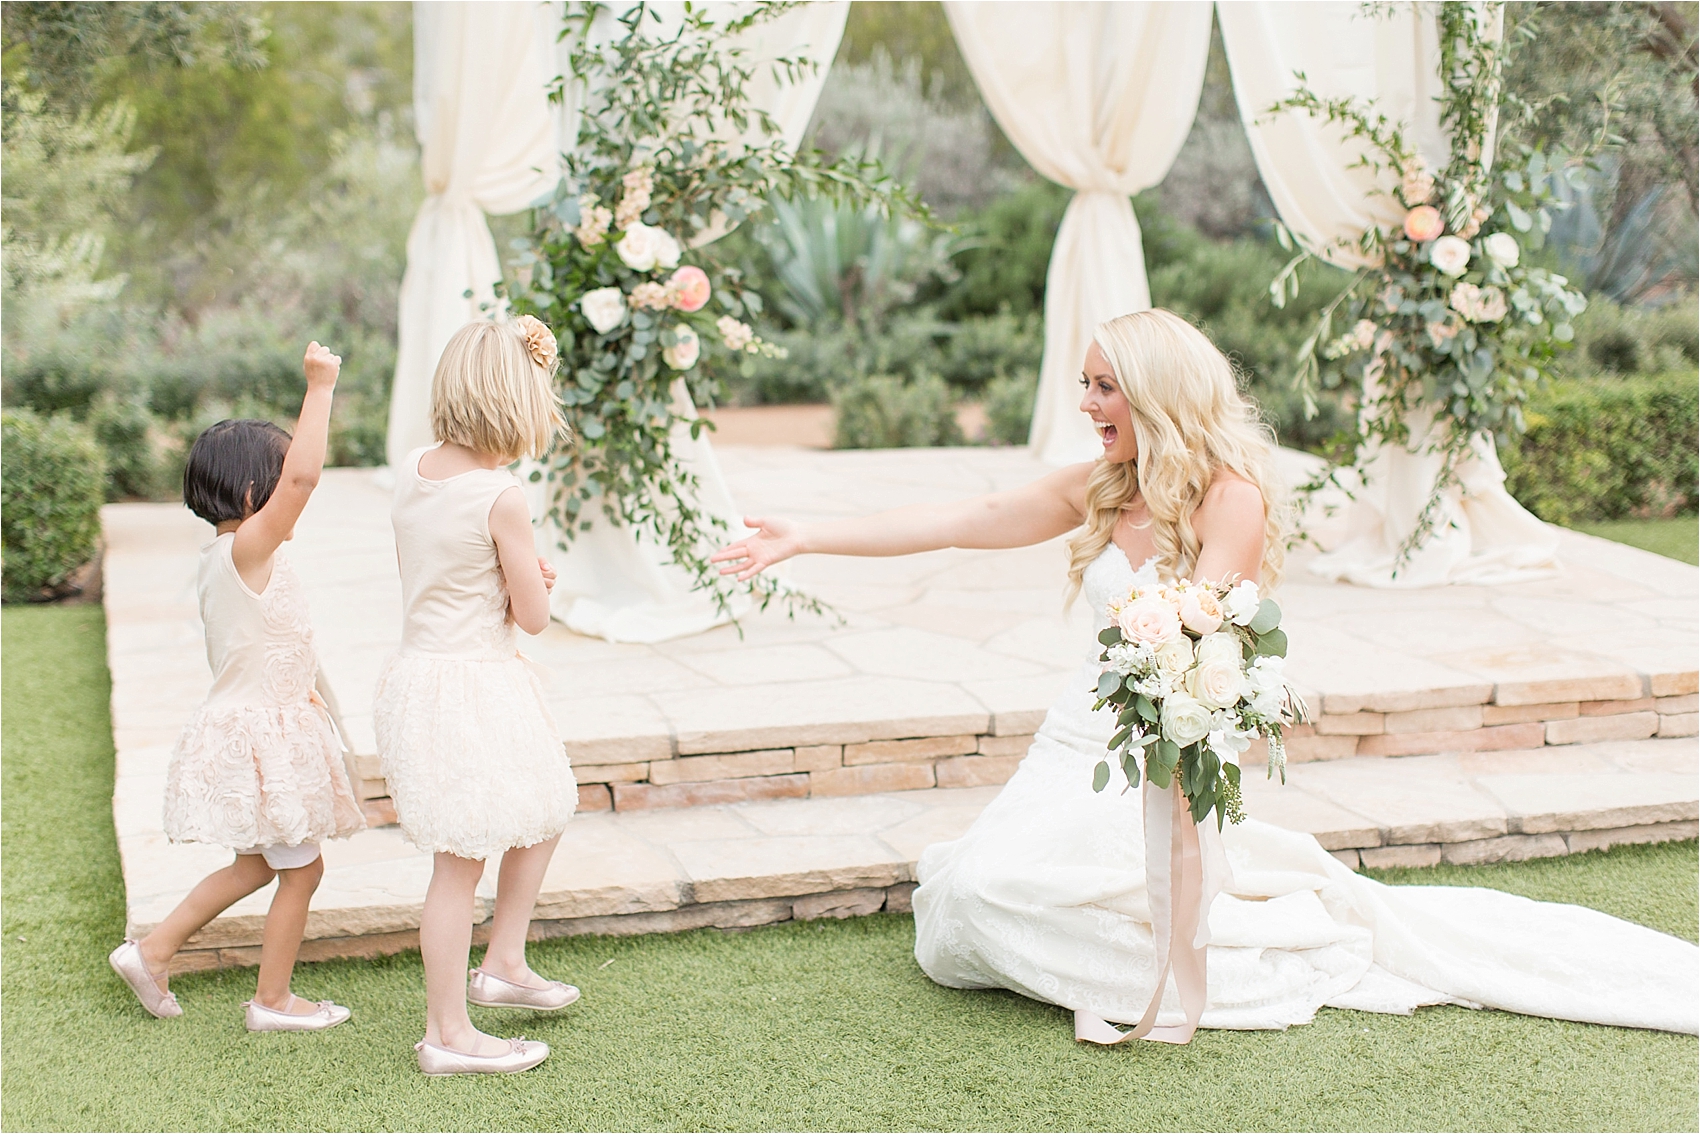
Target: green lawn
point(801, 1026)
point(1677, 538)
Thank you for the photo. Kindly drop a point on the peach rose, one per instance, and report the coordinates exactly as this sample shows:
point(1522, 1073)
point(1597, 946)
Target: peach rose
point(1423, 223)
point(1200, 612)
point(690, 288)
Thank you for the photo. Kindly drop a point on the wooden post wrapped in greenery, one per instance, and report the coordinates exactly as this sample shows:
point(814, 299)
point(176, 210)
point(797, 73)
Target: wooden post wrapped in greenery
point(621, 264)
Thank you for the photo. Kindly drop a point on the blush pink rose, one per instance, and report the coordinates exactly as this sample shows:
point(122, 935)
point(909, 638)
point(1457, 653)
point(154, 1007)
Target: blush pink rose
point(1150, 619)
point(1200, 612)
point(690, 288)
point(1423, 223)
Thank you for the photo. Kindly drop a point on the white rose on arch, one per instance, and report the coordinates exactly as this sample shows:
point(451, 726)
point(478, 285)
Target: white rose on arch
point(1451, 254)
point(604, 308)
point(640, 247)
point(667, 249)
point(1502, 249)
point(682, 355)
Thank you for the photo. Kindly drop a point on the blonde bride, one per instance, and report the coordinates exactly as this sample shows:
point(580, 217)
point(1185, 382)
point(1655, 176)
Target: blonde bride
point(1046, 894)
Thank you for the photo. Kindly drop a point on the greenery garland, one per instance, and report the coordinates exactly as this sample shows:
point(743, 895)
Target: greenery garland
point(1447, 317)
point(620, 263)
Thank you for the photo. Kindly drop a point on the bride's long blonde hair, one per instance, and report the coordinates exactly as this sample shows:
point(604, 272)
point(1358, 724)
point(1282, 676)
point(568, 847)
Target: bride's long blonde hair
point(1190, 421)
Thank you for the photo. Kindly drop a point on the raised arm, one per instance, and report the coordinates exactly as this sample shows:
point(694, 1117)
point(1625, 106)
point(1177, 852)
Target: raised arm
point(1031, 514)
point(261, 534)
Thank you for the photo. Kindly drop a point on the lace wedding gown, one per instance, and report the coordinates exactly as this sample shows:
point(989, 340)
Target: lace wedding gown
point(1045, 895)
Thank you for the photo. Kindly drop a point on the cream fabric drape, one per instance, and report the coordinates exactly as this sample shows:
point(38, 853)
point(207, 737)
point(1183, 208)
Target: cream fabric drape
point(618, 583)
point(1097, 97)
point(1485, 536)
point(484, 122)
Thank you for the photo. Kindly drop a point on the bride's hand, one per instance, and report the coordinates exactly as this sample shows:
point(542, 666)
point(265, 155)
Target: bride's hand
point(775, 540)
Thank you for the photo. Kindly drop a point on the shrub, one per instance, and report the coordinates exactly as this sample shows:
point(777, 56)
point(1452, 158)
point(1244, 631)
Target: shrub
point(124, 428)
point(51, 488)
point(1633, 340)
point(1009, 408)
point(1006, 253)
point(982, 349)
point(882, 411)
point(1608, 448)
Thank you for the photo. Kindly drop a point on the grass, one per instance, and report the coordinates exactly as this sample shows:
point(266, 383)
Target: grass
point(1677, 538)
point(800, 1026)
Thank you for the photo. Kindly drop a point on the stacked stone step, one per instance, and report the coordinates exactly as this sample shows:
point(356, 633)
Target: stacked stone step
point(1489, 718)
point(643, 773)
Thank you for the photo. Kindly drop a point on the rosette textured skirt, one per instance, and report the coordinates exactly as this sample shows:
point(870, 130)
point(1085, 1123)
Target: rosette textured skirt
point(473, 760)
point(259, 775)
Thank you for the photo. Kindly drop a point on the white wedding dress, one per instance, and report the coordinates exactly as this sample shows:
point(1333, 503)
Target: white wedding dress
point(1045, 895)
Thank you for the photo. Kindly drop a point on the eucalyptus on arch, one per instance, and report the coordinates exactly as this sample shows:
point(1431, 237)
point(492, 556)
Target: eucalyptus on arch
point(671, 153)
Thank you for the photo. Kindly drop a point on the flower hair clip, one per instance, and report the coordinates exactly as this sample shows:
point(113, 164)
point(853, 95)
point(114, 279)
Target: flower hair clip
point(539, 341)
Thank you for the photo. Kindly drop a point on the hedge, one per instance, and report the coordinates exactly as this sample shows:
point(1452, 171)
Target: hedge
point(1609, 448)
point(52, 483)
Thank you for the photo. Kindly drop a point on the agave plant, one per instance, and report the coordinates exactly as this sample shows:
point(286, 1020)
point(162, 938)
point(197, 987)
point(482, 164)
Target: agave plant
point(843, 262)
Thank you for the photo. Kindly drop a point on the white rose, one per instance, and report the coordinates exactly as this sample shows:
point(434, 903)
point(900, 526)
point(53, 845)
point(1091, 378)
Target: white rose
point(640, 248)
point(1175, 655)
point(1502, 249)
point(1241, 603)
point(604, 308)
point(1451, 255)
point(1185, 720)
point(1200, 612)
point(682, 355)
point(1217, 680)
point(1149, 619)
point(666, 249)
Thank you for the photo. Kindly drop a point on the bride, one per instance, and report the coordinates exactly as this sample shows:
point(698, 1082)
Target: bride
point(1046, 893)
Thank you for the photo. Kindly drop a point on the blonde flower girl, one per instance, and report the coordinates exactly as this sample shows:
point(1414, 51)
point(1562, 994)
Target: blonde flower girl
point(259, 767)
point(471, 754)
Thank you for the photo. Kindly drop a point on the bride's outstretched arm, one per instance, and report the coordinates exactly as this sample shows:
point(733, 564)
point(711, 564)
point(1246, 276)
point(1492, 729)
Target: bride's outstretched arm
point(1031, 514)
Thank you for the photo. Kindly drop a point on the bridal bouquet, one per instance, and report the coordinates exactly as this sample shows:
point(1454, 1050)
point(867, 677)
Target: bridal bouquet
point(1195, 673)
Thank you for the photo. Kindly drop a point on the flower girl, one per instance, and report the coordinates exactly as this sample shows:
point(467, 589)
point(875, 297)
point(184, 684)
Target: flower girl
point(471, 754)
point(259, 767)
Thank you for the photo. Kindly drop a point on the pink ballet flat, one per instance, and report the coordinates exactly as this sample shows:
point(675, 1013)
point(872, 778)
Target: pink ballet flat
point(522, 1055)
point(489, 991)
point(259, 1018)
point(127, 961)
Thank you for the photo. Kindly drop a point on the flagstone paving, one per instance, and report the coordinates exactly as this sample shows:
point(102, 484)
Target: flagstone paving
point(930, 690)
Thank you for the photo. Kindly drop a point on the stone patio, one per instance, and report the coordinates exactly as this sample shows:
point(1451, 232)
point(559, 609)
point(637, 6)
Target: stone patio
point(929, 693)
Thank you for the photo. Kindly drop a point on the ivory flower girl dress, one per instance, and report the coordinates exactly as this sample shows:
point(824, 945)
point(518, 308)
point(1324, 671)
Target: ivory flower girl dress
point(466, 742)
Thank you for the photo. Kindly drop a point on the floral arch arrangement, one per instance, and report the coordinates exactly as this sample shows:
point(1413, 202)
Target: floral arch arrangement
point(671, 154)
point(1447, 317)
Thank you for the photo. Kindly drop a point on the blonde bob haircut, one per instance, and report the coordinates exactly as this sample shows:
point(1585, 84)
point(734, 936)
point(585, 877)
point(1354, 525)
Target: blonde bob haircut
point(492, 395)
point(1191, 422)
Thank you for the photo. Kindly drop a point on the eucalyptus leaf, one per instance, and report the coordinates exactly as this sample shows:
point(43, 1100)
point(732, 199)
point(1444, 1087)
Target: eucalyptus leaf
point(1273, 644)
point(1268, 617)
point(1101, 776)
